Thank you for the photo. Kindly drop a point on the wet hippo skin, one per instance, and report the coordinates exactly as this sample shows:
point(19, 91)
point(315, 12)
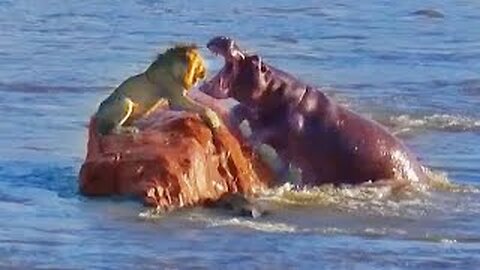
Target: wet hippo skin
point(326, 141)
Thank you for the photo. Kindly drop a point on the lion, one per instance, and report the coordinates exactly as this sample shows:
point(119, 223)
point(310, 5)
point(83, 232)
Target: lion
point(165, 82)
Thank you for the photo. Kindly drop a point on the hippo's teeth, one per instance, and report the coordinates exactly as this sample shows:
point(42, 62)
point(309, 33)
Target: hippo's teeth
point(239, 54)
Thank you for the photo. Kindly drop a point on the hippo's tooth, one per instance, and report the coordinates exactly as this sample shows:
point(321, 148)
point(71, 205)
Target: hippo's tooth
point(237, 53)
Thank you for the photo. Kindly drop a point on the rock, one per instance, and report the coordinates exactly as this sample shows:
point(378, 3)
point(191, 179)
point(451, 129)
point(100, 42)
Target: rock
point(174, 161)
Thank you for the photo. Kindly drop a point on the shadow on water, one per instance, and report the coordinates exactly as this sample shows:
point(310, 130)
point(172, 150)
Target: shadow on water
point(54, 89)
point(61, 180)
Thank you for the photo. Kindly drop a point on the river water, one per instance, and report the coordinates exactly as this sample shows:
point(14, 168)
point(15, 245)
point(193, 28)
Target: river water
point(412, 65)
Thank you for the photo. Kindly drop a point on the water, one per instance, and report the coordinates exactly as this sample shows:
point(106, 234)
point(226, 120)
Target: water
point(418, 75)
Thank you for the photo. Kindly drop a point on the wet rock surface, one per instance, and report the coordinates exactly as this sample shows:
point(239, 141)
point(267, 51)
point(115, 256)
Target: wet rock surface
point(174, 161)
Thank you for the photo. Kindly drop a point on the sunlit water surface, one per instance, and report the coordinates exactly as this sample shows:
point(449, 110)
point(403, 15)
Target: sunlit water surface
point(418, 73)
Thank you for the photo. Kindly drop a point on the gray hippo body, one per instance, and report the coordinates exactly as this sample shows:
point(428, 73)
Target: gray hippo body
point(326, 141)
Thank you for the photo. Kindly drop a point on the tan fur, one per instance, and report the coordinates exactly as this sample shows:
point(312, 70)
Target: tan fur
point(166, 81)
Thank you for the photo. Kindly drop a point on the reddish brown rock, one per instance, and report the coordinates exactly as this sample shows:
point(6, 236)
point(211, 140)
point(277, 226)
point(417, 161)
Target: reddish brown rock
point(174, 161)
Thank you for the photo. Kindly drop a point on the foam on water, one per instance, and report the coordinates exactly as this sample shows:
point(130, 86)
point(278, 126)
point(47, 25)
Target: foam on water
point(384, 198)
point(258, 225)
point(443, 122)
point(347, 206)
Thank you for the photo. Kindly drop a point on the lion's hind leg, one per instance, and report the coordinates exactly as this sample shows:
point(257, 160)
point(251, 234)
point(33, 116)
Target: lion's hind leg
point(112, 114)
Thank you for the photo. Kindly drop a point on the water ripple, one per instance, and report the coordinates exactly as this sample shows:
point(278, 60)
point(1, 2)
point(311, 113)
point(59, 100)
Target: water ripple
point(443, 122)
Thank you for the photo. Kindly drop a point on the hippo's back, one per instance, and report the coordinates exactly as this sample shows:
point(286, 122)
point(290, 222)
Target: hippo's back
point(349, 148)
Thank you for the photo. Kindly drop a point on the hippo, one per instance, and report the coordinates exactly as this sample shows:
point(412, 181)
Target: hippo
point(326, 141)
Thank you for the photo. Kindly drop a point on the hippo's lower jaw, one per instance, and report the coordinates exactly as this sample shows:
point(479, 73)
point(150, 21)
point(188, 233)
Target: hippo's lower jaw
point(218, 86)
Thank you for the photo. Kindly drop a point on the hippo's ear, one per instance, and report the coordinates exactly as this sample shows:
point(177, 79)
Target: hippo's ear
point(255, 58)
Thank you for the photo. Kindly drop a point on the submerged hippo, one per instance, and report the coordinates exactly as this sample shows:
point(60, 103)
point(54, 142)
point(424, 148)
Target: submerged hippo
point(326, 141)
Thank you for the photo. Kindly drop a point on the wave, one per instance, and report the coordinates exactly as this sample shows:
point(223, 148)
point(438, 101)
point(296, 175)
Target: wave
point(355, 229)
point(264, 226)
point(41, 88)
point(218, 221)
point(360, 211)
point(438, 182)
point(373, 198)
point(442, 122)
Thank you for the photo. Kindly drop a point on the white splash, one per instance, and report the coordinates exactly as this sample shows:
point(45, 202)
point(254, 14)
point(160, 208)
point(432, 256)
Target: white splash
point(454, 123)
point(264, 226)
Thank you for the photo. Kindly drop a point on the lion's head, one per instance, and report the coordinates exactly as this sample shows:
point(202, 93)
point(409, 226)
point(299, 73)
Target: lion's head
point(184, 63)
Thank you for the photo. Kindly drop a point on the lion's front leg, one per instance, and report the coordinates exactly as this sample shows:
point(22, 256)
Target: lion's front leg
point(161, 103)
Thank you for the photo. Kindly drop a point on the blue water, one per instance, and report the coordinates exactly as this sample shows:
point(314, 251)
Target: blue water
point(418, 75)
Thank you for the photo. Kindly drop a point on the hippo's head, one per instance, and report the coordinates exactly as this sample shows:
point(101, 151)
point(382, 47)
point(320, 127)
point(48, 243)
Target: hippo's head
point(242, 77)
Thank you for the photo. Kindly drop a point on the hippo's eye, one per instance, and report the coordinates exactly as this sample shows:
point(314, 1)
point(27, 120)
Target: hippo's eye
point(255, 58)
point(263, 68)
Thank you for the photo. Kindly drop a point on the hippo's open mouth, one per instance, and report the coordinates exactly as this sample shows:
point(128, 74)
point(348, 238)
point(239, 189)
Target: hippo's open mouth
point(219, 85)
